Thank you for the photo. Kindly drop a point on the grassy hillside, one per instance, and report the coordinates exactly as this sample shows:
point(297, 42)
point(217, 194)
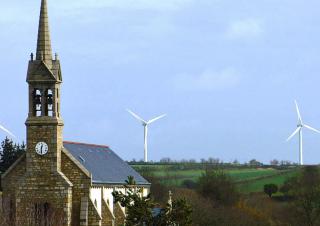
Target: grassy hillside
point(247, 179)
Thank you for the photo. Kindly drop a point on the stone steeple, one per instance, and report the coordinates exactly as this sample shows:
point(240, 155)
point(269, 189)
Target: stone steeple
point(44, 51)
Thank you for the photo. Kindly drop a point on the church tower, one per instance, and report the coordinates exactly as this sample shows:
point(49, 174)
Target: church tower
point(48, 189)
point(44, 123)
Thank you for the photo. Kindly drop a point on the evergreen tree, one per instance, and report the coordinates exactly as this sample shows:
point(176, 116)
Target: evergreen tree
point(9, 153)
point(139, 209)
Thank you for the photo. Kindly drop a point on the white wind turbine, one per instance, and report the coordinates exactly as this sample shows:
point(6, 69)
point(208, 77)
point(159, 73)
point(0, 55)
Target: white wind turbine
point(145, 126)
point(299, 130)
point(7, 131)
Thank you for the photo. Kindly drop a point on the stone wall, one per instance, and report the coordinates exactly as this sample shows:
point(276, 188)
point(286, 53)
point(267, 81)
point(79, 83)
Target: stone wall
point(81, 181)
point(119, 214)
point(94, 219)
point(108, 218)
point(9, 183)
point(53, 190)
point(1, 205)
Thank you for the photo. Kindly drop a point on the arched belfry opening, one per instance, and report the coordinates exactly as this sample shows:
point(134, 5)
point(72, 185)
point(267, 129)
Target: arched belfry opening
point(49, 103)
point(37, 102)
point(45, 103)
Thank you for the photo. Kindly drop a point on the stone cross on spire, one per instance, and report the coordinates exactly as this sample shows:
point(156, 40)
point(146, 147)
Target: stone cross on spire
point(44, 51)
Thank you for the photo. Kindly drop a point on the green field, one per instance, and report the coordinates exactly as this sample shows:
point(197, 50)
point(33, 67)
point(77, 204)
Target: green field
point(247, 179)
point(257, 185)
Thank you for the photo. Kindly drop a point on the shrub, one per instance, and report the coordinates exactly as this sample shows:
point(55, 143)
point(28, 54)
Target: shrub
point(270, 189)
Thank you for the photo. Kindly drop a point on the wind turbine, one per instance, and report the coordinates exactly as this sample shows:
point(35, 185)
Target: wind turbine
point(145, 126)
point(6, 130)
point(299, 130)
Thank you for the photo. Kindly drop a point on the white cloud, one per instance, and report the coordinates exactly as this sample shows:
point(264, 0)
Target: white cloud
point(207, 81)
point(247, 28)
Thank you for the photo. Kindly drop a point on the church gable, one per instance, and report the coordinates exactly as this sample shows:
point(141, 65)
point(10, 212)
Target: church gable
point(39, 71)
point(14, 173)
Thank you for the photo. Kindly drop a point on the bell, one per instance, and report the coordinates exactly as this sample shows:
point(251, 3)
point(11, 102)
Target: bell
point(50, 99)
point(37, 99)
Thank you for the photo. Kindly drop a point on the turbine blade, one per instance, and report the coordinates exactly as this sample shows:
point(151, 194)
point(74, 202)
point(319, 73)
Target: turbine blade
point(155, 119)
point(298, 112)
point(313, 129)
point(294, 133)
point(136, 116)
point(7, 131)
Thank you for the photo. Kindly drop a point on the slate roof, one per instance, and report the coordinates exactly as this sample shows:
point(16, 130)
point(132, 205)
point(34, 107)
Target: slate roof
point(105, 166)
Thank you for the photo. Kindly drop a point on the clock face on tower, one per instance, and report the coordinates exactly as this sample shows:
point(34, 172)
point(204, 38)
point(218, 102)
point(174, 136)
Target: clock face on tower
point(42, 148)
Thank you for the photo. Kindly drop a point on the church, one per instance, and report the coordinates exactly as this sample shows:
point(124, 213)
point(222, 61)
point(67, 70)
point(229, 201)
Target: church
point(58, 182)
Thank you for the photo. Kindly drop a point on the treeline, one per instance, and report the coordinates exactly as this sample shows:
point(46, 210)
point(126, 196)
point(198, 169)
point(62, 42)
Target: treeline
point(216, 161)
point(176, 166)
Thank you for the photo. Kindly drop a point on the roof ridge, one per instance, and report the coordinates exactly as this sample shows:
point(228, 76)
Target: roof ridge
point(80, 143)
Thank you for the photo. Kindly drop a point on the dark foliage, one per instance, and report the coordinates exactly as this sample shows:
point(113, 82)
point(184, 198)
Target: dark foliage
point(305, 190)
point(215, 185)
point(189, 184)
point(270, 189)
point(9, 153)
point(140, 209)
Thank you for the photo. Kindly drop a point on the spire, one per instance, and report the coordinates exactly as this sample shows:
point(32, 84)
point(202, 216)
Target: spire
point(44, 43)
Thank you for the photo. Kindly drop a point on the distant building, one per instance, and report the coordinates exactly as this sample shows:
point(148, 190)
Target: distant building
point(67, 183)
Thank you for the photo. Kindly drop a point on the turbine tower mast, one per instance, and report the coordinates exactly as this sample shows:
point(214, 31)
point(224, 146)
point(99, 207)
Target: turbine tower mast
point(145, 126)
point(300, 148)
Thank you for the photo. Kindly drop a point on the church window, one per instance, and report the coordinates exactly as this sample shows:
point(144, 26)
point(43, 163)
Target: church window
point(42, 214)
point(37, 102)
point(49, 103)
point(95, 203)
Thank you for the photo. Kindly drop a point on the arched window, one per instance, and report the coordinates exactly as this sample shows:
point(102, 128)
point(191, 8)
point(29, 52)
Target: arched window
point(42, 214)
point(49, 103)
point(37, 102)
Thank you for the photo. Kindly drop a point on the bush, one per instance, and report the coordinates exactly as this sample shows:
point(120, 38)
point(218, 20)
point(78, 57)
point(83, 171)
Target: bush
point(215, 185)
point(270, 189)
point(189, 184)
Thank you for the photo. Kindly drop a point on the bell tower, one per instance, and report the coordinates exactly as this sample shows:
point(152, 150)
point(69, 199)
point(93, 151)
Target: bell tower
point(44, 123)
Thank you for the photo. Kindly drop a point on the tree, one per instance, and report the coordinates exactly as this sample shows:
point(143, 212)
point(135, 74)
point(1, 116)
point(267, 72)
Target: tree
point(287, 186)
point(274, 162)
point(188, 183)
point(178, 214)
point(9, 153)
point(215, 185)
point(270, 189)
point(306, 196)
point(165, 160)
point(254, 162)
point(139, 209)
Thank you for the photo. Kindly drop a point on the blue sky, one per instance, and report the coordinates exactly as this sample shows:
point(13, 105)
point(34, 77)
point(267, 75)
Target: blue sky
point(226, 73)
